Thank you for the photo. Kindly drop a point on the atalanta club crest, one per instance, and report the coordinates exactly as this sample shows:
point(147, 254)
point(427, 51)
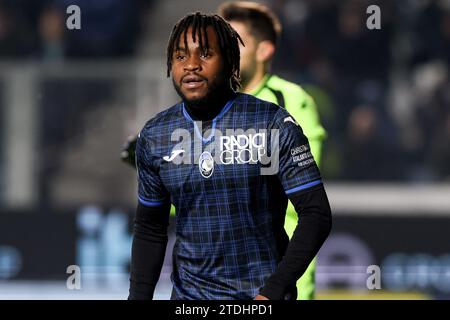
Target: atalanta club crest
point(206, 164)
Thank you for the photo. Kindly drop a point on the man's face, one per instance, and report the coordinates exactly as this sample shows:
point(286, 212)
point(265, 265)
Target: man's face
point(248, 53)
point(197, 76)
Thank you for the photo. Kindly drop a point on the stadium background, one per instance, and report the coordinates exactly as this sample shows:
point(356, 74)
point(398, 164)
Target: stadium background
point(69, 99)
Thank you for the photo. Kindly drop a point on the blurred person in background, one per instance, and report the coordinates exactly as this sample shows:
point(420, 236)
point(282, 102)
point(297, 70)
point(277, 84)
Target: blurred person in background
point(431, 89)
point(439, 158)
point(431, 33)
point(359, 56)
point(428, 107)
point(367, 156)
point(109, 28)
point(51, 26)
point(15, 41)
point(37, 29)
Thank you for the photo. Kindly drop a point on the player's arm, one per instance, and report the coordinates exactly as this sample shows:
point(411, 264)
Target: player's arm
point(148, 250)
point(128, 155)
point(150, 224)
point(300, 178)
point(313, 227)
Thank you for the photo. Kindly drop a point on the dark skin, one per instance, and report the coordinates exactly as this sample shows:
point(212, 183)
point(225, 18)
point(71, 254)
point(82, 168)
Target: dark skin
point(199, 76)
point(196, 73)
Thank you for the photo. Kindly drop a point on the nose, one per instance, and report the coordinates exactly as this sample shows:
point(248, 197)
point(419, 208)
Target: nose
point(192, 63)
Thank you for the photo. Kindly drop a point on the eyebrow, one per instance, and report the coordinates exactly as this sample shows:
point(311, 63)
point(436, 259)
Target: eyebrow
point(184, 50)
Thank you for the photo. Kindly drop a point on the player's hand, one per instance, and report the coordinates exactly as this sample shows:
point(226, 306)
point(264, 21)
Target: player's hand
point(128, 153)
point(291, 294)
point(260, 297)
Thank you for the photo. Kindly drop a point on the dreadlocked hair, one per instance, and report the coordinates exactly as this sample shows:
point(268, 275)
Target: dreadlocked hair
point(228, 41)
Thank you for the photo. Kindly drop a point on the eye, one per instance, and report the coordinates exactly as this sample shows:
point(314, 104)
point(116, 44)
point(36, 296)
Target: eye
point(205, 55)
point(180, 57)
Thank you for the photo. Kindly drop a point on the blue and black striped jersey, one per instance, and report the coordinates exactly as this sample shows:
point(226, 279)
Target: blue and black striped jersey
point(230, 185)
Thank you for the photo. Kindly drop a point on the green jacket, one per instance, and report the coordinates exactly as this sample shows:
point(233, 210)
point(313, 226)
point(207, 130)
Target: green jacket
point(302, 107)
point(299, 104)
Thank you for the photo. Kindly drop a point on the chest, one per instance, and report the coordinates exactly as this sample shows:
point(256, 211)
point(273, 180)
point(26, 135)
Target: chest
point(217, 159)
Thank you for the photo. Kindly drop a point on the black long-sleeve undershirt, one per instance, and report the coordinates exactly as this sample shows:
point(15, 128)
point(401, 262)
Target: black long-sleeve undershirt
point(150, 241)
point(313, 227)
point(148, 250)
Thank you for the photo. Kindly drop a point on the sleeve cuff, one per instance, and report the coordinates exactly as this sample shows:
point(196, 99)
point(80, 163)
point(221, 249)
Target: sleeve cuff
point(150, 203)
point(303, 186)
point(272, 291)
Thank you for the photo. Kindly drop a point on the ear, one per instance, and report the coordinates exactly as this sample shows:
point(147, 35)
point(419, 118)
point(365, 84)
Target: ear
point(265, 51)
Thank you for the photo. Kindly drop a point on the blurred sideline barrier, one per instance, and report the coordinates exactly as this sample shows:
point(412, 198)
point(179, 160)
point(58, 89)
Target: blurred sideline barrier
point(400, 229)
point(64, 125)
point(408, 245)
point(364, 295)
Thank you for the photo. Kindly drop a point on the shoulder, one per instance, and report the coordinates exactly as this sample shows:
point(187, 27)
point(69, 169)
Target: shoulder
point(301, 106)
point(161, 120)
point(265, 113)
point(251, 103)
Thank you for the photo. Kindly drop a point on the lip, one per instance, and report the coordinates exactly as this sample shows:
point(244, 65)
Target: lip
point(192, 81)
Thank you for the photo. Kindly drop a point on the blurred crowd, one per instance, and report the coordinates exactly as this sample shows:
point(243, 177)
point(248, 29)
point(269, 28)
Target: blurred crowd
point(36, 29)
point(383, 95)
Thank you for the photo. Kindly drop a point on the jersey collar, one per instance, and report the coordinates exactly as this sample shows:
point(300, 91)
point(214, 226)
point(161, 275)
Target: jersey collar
point(196, 128)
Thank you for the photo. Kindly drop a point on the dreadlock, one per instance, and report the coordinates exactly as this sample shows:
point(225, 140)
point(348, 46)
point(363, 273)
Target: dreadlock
point(227, 36)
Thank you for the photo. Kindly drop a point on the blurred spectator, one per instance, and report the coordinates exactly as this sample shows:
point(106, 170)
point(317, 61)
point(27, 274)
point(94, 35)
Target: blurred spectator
point(445, 30)
point(432, 33)
point(360, 56)
point(431, 91)
point(109, 28)
point(15, 42)
point(37, 28)
point(51, 32)
point(439, 158)
point(325, 45)
point(366, 155)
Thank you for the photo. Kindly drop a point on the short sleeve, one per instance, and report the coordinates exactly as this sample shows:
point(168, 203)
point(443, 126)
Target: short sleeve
point(151, 191)
point(298, 170)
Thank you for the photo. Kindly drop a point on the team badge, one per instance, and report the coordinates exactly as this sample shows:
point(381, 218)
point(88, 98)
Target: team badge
point(206, 164)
